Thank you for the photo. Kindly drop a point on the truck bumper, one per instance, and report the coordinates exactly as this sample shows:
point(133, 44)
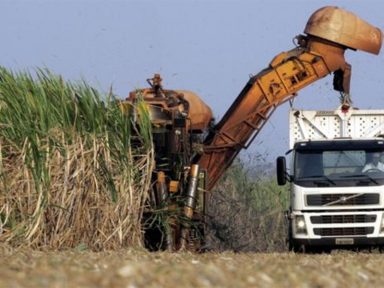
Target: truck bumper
point(335, 242)
point(368, 225)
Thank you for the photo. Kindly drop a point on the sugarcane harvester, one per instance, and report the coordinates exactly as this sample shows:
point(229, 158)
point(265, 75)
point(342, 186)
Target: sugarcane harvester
point(192, 153)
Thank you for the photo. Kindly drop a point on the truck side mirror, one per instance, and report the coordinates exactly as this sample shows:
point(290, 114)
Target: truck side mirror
point(281, 171)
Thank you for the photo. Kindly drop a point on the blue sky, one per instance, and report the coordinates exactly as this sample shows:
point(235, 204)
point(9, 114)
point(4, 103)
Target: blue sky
point(209, 47)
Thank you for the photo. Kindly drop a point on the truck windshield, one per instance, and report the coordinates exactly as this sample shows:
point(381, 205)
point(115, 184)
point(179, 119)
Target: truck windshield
point(339, 167)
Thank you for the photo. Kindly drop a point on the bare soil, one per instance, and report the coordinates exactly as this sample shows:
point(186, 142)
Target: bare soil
point(138, 268)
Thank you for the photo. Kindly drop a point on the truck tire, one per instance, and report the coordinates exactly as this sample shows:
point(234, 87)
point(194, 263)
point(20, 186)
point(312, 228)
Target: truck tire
point(293, 246)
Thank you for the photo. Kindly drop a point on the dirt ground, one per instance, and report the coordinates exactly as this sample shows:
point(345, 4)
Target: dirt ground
point(136, 268)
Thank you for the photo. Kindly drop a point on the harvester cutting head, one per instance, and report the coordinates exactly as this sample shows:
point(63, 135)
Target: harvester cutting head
point(344, 28)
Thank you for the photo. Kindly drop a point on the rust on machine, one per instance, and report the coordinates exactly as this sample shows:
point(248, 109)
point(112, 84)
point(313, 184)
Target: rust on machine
point(163, 104)
point(345, 28)
point(199, 113)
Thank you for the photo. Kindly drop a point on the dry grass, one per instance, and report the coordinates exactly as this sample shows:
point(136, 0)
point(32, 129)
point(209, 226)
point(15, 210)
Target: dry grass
point(75, 208)
point(135, 268)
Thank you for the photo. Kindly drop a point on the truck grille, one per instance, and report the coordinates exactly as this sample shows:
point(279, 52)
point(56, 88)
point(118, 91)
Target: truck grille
point(362, 231)
point(343, 199)
point(330, 219)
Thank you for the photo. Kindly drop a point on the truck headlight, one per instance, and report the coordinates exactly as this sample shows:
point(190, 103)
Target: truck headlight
point(382, 224)
point(300, 226)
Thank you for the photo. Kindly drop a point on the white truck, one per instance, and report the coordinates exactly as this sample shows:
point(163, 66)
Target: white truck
point(336, 199)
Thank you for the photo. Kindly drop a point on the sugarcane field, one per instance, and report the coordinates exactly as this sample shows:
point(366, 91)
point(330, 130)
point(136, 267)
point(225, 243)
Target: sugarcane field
point(191, 144)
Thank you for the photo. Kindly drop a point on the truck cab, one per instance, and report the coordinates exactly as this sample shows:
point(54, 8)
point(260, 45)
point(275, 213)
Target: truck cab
point(336, 175)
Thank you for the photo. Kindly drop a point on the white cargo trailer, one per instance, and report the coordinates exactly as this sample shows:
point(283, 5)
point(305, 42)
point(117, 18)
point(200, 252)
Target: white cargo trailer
point(337, 178)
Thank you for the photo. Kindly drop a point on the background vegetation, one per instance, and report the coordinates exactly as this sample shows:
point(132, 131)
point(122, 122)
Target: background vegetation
point(246, 210)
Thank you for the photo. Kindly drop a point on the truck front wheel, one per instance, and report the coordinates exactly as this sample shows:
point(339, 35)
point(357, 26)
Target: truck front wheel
point(293, 246)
